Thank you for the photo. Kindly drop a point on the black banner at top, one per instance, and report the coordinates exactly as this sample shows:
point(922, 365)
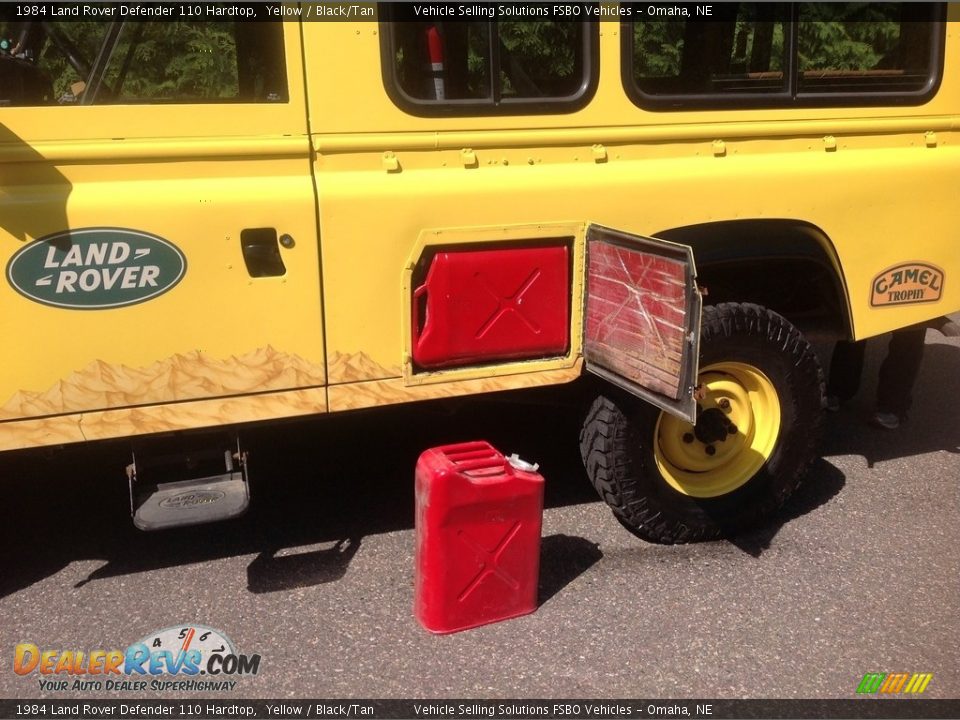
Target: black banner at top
point(333, 11)
point(200, 709)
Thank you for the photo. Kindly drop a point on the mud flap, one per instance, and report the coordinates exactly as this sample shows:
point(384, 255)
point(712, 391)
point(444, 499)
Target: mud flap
point(642, 317)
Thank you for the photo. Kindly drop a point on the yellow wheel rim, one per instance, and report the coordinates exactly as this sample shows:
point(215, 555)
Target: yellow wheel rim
point(737, 428)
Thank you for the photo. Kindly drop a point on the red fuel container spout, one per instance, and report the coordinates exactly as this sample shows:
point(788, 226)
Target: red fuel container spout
point(478, 521)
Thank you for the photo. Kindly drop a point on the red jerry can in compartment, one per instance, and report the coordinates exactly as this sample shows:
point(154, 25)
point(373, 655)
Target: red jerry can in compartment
point(478, 537)
point(478, 306)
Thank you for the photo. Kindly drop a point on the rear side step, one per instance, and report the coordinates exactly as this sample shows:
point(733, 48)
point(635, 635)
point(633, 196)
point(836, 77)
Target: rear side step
point(160, 498)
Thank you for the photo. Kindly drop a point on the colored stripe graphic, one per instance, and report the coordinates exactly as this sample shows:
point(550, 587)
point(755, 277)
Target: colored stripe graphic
point(893, 683)
point(871, 682)
point(918, 683)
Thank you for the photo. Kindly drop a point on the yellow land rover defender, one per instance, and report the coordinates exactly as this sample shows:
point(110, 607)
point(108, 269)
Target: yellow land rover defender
point(209, 220)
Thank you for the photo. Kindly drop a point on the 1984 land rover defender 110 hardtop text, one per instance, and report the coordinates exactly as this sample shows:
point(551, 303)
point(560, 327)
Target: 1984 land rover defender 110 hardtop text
point(206, 223)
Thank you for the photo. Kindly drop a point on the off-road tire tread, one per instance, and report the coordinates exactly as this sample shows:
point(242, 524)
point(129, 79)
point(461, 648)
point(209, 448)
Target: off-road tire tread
point(609, 435)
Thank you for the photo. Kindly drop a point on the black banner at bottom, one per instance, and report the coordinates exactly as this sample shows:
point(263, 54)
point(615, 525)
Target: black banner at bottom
point(476, 709)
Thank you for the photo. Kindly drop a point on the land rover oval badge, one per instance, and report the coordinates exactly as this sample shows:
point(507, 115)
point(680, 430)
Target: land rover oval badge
point(96, 268)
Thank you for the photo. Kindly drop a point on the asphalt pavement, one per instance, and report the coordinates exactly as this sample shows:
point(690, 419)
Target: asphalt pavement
point(859, 573)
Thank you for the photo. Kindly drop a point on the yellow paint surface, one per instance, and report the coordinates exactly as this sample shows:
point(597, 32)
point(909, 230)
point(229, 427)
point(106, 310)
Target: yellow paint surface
point(883, 192)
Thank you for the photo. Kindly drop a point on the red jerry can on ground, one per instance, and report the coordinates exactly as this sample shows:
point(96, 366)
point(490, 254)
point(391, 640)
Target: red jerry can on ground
point(478, 525)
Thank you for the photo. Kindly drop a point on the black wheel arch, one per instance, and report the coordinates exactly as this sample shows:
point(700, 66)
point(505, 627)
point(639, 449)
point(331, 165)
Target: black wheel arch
point(786, 265)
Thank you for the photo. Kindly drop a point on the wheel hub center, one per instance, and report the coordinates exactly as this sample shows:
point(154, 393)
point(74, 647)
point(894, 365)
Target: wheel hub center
point(712, 426)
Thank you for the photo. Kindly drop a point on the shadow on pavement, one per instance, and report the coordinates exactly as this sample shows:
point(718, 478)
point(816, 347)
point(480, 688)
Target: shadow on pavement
point(273, 570)
point(822, 483)
point(330, 480)
point(934, 426)
point(336, 480)
point(563, 558)
point(934, 422)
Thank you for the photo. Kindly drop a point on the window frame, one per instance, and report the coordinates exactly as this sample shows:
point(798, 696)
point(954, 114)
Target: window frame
point(472, 107)
point(791, 96)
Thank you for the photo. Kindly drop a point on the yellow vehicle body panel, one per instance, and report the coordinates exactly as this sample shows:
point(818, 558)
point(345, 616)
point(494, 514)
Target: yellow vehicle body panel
point(363, 188)
point(877, 181)
point(221, 346)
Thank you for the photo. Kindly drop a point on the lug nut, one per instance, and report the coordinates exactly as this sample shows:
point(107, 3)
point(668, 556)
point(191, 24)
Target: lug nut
point(732, 429)
point(724, 404)
point(688, 438)
point(711, 450)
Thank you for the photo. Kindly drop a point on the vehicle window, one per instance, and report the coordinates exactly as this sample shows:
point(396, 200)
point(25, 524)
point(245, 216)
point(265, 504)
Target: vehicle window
point(42, 64)
point(482, 67)
point(742, 50)
point(141, 63)
point(870, 47)
point(765, 54)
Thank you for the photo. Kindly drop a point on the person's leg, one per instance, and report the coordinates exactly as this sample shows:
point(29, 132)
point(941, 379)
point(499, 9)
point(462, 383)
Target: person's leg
point(846, 367)
point(899, 371)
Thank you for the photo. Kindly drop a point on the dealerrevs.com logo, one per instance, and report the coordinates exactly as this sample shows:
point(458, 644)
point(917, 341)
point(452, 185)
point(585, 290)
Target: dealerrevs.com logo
point(96, 268)
point(178, 658)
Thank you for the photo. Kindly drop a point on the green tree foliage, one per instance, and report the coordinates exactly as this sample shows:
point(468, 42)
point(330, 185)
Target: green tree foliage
point(180, 60)
point(831, 36)
point(743, 48)
point(536, 58)
point(152, 61)
point(847, 37)
point(87, 37)
point(540, 58)
point(658, 48)
point(185, 61)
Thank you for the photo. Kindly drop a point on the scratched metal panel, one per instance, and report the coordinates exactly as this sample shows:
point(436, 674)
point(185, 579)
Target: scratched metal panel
point(642, 317)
